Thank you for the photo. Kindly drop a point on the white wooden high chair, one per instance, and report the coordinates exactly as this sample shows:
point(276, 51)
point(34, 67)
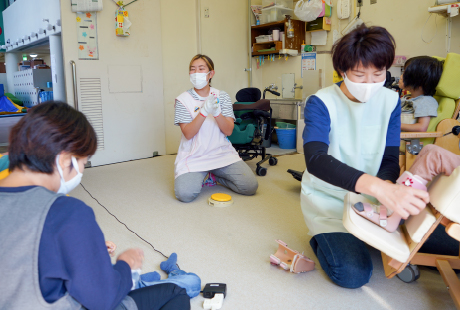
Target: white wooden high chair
point(400, 249)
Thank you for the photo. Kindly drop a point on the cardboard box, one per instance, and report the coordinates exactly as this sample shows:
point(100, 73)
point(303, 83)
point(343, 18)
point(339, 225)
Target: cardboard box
point(36, 61)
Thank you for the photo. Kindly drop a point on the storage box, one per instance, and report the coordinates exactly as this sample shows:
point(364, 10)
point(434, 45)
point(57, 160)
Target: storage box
point(322, 23)
point(287, 4)
point(275, 14)
point(36, 61)
point(264, 38)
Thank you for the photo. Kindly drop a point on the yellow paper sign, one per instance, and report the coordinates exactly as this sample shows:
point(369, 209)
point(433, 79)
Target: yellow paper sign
point(336, 77)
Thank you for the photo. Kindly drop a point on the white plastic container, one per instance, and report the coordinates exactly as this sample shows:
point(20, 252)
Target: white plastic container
point(287, 4)
point(275, 14)
point(263, 39)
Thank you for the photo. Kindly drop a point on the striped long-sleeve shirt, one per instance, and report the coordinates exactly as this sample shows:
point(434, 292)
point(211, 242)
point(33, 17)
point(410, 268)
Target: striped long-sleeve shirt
point(181, 114)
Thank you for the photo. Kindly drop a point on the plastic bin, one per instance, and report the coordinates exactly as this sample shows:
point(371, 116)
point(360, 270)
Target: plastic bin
point(275, 14)
point(284, 125)
point(288, 4)
point(46, 96)
point(286, 137)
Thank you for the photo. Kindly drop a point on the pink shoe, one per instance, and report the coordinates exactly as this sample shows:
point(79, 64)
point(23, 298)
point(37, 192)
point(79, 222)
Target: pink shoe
point(291, 260)
point(392, 222)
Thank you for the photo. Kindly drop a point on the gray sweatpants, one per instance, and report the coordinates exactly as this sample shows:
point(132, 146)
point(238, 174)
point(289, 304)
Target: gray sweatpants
point(237, 176)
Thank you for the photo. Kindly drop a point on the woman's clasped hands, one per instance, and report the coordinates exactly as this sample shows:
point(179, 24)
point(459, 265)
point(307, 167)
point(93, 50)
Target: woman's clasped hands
point(211, 106)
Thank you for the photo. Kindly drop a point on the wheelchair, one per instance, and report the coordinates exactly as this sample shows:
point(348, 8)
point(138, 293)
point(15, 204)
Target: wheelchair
point(252, 132)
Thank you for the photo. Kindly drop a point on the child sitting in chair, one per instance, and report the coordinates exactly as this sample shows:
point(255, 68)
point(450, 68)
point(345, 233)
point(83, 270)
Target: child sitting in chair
point(421, 76)
point(431, 161)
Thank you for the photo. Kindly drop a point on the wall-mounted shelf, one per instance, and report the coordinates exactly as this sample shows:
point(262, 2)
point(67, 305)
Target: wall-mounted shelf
point(446, 10)
point(289, 43)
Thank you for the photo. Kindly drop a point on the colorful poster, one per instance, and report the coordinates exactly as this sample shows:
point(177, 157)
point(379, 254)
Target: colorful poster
point(308, 61)
point(87, 36)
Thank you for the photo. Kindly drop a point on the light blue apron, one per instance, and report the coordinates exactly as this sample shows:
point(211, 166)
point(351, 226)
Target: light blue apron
point(358, 139)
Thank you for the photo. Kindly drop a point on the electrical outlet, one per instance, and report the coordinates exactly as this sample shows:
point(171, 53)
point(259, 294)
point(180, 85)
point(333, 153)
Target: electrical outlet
point(359, 3)
point(206, 12)
point(155, 153)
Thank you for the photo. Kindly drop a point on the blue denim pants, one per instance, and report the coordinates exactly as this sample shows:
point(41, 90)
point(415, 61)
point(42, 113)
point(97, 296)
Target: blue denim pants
point(346, 259)
point(190, 281)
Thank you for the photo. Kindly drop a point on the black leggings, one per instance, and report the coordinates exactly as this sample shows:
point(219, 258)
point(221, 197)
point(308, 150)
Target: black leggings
point(166, 296)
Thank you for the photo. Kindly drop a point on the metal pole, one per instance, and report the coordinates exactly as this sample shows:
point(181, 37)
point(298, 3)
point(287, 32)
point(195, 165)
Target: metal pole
point(74, 78)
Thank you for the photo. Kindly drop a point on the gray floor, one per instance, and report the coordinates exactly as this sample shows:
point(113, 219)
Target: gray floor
point(232, 245)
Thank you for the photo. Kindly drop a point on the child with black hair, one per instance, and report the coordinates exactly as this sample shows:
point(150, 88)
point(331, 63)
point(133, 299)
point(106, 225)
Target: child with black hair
point(421, 76)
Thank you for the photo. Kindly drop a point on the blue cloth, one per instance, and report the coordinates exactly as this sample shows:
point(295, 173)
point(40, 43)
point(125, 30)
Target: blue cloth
point(4, 162)
point(6, 105)
point(344, 258)
point(73, 257)
point(318, 123)
point(190, 281)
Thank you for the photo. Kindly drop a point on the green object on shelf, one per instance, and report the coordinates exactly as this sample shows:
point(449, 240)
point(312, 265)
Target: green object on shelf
point(14, 99)
point(267, 50)
point(284, 125)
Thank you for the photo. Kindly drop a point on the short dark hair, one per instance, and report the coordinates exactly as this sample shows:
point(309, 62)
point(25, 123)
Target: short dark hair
point(364, 45)
point(45, 131)
point(424, 72)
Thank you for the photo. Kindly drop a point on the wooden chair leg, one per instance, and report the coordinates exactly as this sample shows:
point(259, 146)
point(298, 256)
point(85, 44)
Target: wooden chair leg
point(451, 280)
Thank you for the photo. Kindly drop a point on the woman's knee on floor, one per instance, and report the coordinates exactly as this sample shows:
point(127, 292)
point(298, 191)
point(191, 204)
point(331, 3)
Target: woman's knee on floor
point(250, 186)
point(185, 194)
point(345, 260)
point(351, 275)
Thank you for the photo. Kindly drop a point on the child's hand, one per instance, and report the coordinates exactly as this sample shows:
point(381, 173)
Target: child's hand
point(111, 247)
point(133, 257)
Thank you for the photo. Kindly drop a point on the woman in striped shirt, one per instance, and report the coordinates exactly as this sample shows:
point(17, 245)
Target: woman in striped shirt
point(205, 116)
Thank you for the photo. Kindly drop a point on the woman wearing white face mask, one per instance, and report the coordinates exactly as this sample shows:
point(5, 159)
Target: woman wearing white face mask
point(51, 243)
point(351, 143)
point(205, 116)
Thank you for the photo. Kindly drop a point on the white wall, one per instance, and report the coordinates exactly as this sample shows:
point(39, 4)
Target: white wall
point(133, 120)
point(179, 45)
point(224, 37)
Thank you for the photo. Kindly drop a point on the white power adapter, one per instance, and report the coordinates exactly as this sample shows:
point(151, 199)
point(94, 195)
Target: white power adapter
point(214, 303)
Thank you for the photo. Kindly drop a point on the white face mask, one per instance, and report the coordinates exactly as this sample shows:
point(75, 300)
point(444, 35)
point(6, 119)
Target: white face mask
point(199, 80)
point(362, 91)
point(67, 187)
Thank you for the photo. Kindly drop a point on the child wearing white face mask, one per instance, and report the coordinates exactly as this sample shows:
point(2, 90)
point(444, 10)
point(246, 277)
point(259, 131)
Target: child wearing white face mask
point(205, 116)
point(351, 143)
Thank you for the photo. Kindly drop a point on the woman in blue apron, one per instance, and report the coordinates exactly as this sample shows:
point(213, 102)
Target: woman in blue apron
point(351, 143)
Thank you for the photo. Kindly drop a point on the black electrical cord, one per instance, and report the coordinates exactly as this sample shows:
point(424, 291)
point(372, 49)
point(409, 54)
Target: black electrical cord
point(125, 225)
point(361, 4)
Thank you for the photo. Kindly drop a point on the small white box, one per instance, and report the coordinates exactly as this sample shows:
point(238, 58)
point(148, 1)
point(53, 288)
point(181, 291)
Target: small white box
point(275, 14)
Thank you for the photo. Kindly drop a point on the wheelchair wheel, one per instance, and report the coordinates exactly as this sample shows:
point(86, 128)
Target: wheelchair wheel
point(273, 161)
point(261, 171)
point(410, 274)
